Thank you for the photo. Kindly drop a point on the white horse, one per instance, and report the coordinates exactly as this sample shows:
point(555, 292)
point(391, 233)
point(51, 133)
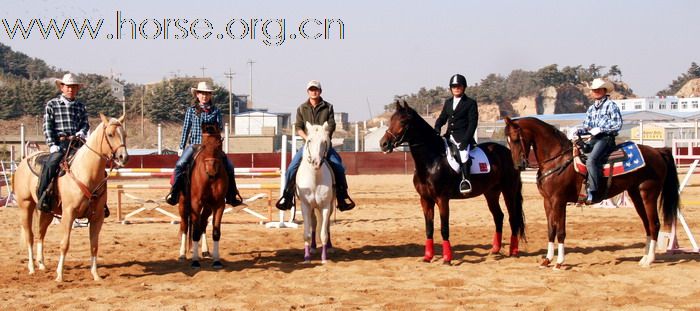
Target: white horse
point(315, 187)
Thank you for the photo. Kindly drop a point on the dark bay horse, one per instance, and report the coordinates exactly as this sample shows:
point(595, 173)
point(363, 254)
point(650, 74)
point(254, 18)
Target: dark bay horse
point(206, 194)
point(436, 182)
point(559, 183)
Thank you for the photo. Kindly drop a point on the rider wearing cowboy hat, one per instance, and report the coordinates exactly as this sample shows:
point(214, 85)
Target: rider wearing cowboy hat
point(463, 116)
point(201, 111)
point(64, 116)
point(316, 111)
point(603, 122)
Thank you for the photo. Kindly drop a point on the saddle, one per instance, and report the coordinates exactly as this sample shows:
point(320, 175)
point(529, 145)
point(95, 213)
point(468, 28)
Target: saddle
point(480, 162)
point(625, 158)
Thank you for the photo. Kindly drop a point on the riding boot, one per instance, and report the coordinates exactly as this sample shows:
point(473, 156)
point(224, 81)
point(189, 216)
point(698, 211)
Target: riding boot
point(465, 186)
point(287, 200)
point(233, 197)
point(106, 211)
point(174, 196)
point(345, 203)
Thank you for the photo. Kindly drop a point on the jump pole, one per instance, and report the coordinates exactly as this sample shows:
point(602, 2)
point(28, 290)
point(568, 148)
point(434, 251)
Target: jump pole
point(283, 170)
point(668, 240)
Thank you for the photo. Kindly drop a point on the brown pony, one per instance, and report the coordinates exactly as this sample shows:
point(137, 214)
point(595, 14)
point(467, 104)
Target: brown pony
point(559, 183)
point(205, 195)
point(81, 192)
point(436, 182)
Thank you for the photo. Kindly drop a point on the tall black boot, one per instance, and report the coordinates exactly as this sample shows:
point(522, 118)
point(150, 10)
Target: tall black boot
point(233, 197)
point(345, 203)
point(465, 186)
point(174, 196)
point(287, 200)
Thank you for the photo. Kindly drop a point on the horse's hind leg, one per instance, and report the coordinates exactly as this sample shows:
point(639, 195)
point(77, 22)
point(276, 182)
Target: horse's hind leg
point(205, 222)
point(183, 238)
point(45, 220)
point(67, 224)
point(444, 206)
point(495, 208)
point(640, 205)
point(428, 206)
point(95, 228)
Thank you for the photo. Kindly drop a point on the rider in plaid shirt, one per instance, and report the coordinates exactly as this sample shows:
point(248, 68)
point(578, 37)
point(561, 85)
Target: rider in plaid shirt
point(201, 111)
point(603, 121)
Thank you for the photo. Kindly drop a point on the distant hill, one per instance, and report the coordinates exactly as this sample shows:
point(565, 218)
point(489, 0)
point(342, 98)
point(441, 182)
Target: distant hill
point(690, 89)
point(19, 65)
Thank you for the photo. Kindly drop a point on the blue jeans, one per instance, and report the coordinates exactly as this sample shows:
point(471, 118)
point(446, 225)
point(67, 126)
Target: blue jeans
point(333, 159)
point(596, 159)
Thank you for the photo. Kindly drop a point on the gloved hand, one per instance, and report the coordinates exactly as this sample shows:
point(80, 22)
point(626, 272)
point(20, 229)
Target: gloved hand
point(573, 135)
point(54, 148)
point(179, 152)
point(581, 131)
point(595, 131)
point(81, 135)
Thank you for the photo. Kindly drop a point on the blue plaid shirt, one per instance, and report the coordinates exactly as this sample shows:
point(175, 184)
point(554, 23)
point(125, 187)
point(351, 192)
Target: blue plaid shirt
point(605, 115)
point(192, 126)
point(64, 117)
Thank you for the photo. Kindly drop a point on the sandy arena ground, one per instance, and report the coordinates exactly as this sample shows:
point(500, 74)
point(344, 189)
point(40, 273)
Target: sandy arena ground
point(376, 264)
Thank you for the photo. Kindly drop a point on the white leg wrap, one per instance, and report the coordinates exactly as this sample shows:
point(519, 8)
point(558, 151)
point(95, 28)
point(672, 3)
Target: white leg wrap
point(183, 245)
point(550, 251)
point(59, 268)
point(560, 253)
point(205, 247)
point(93, 268)
point(195, 251)
point(30, 262)
point(215, 255)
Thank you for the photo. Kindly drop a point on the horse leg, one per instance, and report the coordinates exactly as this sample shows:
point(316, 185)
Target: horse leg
point(309, 222)
point(559, 212)
point(444, 207)
point(26, 217)
point(183, 238)
point(638, 203)
point(205, 222)
point(428, 206)
point(495, 208)
point(196, 233)
point(513, 197)
point(325, 224)
point(67, 224)
point(95, 228)
point(45, 220)
point(551, 227)
point(216, 236)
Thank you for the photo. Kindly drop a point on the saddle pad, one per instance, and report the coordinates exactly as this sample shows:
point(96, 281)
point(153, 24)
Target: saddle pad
point(36, 161)
point(480, 163)
point(633, 161)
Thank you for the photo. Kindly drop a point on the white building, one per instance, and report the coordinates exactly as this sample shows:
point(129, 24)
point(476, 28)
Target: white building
point(668, 104)
point(258, 123)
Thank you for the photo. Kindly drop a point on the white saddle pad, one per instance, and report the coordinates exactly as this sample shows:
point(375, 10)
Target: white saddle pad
point(480, 163)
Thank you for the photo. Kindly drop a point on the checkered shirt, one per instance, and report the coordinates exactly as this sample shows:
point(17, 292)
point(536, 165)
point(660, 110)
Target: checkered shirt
point(63, 117)
point(192, 125)
point(604, 114)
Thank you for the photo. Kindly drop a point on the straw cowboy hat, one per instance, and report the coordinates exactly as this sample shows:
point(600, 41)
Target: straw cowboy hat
point(599, 83)
point(68, 79)
point(203, 86)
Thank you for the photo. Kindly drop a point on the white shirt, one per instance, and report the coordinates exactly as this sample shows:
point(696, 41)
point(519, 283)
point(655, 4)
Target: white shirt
point(455, 102)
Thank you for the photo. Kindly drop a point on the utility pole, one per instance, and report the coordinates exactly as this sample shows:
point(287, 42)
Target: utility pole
point(251, 62)
point(203, 69)
point(230, 75)
point(143, 93)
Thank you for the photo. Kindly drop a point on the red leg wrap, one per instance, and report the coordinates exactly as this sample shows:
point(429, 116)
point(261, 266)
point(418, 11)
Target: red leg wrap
point(514, 245)
point(446, 251)
point(429, 252)
point(496, 244)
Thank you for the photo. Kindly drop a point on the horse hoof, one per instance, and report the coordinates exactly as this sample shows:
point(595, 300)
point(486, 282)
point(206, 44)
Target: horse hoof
point(42, 267)
point(195, 265)
point(495, 251)
point(181, 258)
point(323, 262)
point(545, 263)
point(217, 265)
point(514, 253)
point(447, 262)
point(206, 255)
point(558, 267)
point(427, 259)
point(59, 279)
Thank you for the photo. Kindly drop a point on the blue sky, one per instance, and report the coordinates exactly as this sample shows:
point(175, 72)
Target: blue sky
point(389, 48)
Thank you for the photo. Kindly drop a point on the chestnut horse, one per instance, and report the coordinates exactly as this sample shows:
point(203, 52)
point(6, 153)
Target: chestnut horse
point(559, 183)
point(436, 182)
point(208, 182)
point(81, 192)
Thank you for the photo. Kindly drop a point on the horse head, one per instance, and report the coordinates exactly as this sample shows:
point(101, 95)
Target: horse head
point(395, 135)
point(212, 142)
point(518, 144)
point(317, 144)
point(112, 143)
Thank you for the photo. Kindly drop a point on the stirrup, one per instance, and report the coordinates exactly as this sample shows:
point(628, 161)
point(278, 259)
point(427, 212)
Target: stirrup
point(285, 203)
point(465, 186)
point(236, 201)
point(172, 198)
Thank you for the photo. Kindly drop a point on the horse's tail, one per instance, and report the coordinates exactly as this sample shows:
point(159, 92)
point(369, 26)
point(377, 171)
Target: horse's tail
point(670, 198)
point(518, 210)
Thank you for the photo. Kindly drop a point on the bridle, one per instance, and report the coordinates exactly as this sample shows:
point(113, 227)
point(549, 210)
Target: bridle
point(524, 161)
point(112, 149)
point(307, 151)
point(397, 141)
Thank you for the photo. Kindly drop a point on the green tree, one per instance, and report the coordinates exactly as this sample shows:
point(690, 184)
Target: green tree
point(692, 73)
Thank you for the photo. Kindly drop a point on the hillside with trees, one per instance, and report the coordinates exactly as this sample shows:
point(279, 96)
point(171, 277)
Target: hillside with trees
point(675, 86)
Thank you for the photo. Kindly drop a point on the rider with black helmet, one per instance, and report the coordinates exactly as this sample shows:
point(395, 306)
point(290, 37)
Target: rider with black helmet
point(461, 115)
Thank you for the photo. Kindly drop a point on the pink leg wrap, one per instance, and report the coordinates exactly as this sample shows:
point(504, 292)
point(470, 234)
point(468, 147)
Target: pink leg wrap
point(446, 251)
point(429, 252)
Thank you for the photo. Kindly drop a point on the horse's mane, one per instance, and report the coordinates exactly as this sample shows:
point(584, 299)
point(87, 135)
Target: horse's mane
point(422, 126)
point(548, 128)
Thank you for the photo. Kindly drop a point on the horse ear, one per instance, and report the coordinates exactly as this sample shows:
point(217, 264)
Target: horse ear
point(121, 119)
point(405, 104)
point(509, 121)
point(325, 126)
point(103, 118)
point(398, 105)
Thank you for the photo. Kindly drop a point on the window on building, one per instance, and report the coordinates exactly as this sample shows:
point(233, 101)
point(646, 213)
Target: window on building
point(694, 104)
point(622, 106)
point(650, 106)
point(684, 105)
point(662, 105)
point(637, 105)
point(674, 105)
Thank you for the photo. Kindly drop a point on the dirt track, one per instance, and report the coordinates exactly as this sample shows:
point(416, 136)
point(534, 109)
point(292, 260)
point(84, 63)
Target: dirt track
point(376, 264)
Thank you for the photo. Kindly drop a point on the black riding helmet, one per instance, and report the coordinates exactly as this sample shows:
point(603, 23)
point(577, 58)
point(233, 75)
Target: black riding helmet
point(458, 79)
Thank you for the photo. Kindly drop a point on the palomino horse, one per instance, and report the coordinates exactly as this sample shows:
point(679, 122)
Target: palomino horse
point(559, 183)
point(81, 192)
point(436, 182)
point(315, 188)
point(208, 182)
